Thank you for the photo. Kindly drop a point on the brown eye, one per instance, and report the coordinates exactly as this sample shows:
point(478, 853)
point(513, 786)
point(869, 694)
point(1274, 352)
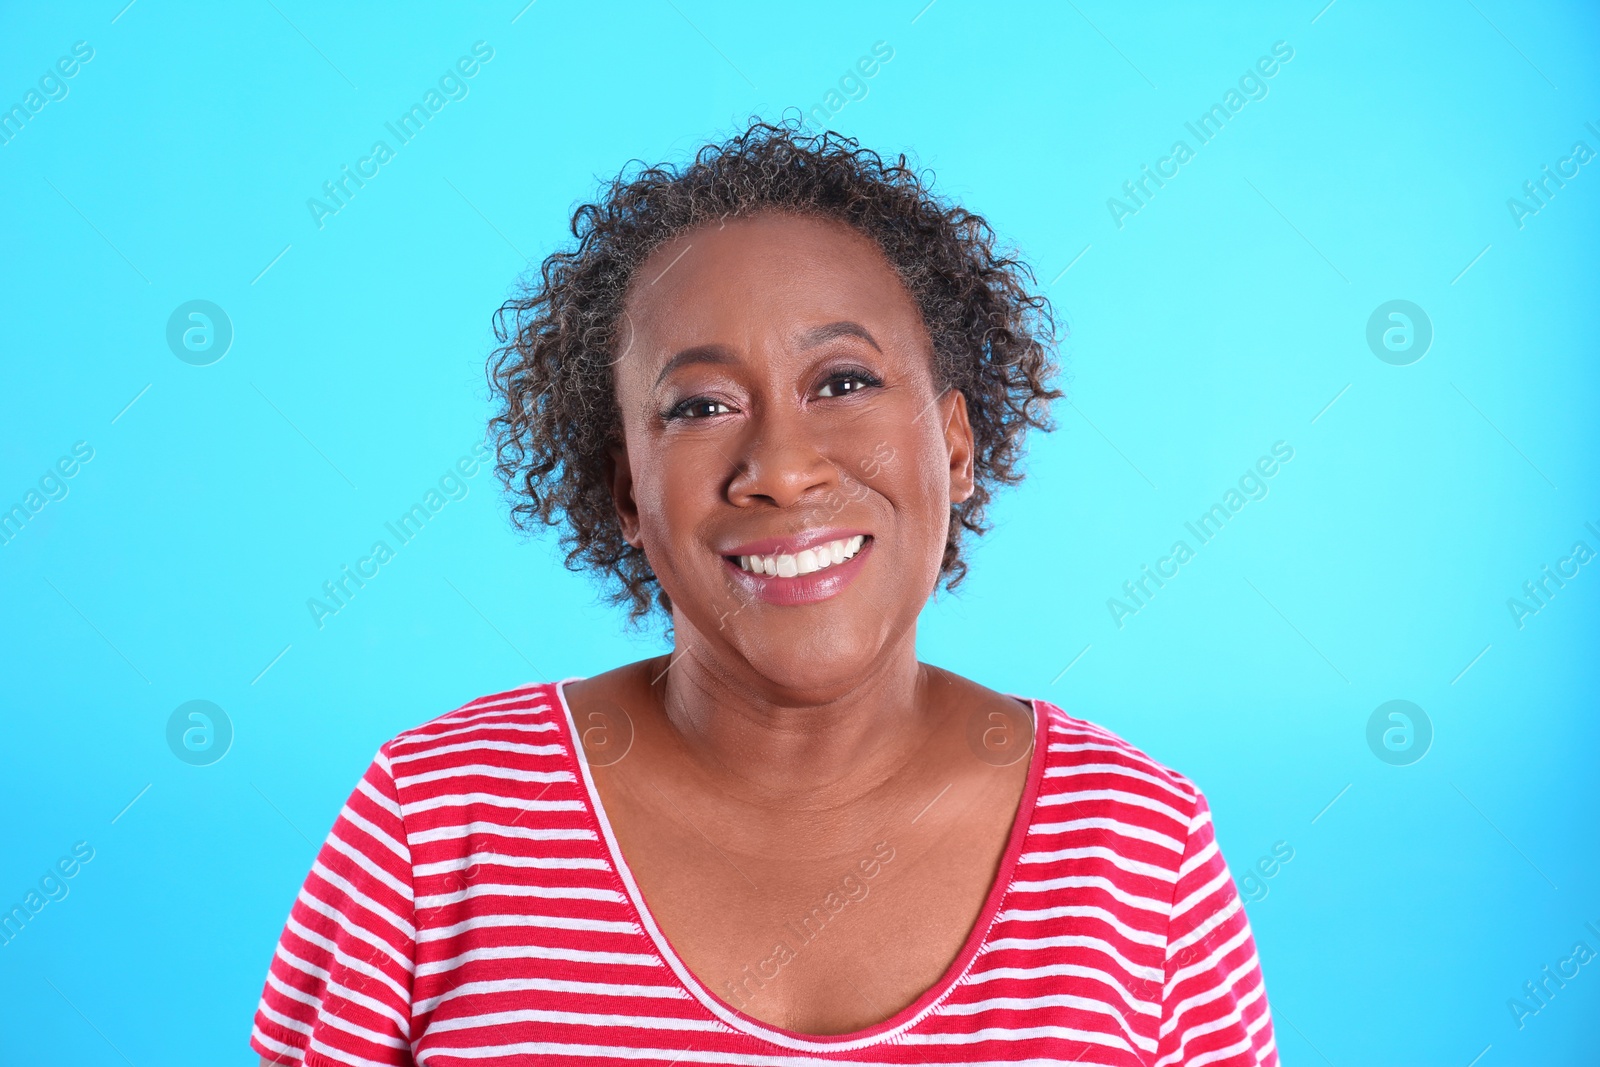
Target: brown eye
point(847, 382)
point(699, 407)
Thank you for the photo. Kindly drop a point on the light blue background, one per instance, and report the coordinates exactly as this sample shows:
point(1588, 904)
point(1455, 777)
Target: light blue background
point(1223, 317)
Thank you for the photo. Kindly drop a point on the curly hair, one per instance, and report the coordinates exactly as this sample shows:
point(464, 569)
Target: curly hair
point(551, 378)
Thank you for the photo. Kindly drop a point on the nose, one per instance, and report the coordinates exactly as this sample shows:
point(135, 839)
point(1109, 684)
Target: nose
point(780, 463)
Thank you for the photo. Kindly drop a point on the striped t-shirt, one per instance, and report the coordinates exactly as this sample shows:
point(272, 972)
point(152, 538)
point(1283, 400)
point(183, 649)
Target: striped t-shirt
point(471, 906)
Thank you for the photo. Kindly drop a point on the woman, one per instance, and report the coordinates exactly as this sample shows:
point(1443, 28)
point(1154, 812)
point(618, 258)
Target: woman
point(767, 395)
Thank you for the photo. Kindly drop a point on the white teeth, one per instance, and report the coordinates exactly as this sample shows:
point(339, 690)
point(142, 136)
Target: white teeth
point(806, 561)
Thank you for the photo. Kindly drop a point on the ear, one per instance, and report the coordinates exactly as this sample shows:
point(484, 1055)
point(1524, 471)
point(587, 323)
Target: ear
point(619, 475)
point(958, 442)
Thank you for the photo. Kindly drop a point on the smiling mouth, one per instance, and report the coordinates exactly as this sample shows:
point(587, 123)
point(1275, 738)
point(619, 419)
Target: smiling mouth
point(802, 563)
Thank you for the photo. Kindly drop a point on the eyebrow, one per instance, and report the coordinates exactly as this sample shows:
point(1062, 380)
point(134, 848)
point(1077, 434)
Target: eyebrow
point(722, 355)
point(715, 354)
point(823, 334)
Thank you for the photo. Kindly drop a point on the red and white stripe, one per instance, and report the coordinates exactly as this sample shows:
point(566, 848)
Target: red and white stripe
point(470, 906)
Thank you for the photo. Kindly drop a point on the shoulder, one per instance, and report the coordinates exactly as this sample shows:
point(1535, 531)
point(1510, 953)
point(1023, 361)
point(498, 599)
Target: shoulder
point(511, 708)
point(495, 741)
point(1087, 766)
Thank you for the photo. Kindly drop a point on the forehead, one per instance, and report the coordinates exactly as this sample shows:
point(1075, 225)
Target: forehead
point(767, 274)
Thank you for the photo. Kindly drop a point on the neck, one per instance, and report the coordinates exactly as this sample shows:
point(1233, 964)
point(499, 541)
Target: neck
point(815, 749)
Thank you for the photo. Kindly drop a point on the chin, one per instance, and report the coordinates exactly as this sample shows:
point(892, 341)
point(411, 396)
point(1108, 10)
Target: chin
point(807, 660)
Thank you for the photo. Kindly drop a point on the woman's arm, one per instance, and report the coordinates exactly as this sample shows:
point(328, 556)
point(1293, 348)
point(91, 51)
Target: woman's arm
point(340, 979)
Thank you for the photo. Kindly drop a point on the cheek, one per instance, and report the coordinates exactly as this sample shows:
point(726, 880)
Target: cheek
point(913, 475)
point(676, 490)
point(927, 458)
point(663, 495)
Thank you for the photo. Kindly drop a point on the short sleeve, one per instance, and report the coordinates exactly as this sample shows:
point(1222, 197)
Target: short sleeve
point(1214, 1001)
point(338, 993)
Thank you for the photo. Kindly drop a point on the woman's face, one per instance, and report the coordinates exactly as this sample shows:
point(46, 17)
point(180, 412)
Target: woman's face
point(778, 403)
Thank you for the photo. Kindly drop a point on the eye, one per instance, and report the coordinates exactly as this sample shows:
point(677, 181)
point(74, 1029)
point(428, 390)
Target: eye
point(848, 381)
point(696, 407)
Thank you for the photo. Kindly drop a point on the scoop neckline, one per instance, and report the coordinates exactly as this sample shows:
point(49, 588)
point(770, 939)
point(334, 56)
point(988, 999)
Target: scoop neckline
point(748, 1025)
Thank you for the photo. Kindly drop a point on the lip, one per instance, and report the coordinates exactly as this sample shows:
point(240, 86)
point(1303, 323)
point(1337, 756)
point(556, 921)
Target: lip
point(801, 589)
point(773, 546)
